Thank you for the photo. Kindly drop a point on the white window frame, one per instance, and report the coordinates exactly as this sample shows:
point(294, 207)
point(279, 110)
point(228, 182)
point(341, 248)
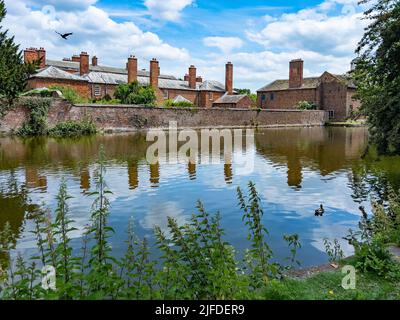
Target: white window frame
point(166, 94)
point(211, 96)
point(97, 90)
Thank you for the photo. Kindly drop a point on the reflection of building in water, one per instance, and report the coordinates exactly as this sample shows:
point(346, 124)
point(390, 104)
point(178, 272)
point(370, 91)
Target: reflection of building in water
point(294, 175)
point(85, 179)
point(192, 170)
point(155, 174)
point(133, 176)
point(228, 173)
point(324, 149)
point(34, 180)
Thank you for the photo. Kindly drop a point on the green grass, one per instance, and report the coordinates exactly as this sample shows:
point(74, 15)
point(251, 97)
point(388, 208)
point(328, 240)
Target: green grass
point(327, 286)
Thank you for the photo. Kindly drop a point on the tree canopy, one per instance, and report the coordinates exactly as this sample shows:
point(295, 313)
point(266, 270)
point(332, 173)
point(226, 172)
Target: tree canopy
point(13, 72)
point(134, 93)
point(377, 74)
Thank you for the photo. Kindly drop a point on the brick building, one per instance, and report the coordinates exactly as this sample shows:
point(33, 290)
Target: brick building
point(94, 81)
point(330, 92)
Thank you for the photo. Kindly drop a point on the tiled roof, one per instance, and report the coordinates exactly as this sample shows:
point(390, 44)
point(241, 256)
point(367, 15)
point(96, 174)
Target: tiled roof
point(115, 79)
point(75, 66)
point(230, 98)
point(56, 73)
point(180, 99)
point(308, 83)
point(115, 76)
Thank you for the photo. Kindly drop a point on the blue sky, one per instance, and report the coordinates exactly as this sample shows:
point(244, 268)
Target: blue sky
point(259, 37)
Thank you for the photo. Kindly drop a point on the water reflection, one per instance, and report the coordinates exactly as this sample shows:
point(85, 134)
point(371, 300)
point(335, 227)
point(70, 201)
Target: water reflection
point(295, 170)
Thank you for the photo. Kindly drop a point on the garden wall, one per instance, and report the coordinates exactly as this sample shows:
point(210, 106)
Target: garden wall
point(125, 118)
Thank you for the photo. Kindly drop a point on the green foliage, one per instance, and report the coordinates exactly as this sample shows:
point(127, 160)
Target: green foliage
point(305, 105)
point(375, 233)
point(259, 255)
point(69, 94)
point(377, 74)
point(134, 93)
point(72, 128)
point(36, 124)
point(252, 96)
point(243, 91)
point(333, 250)
point(181, 104)
point(294, 245)
point(13, 72)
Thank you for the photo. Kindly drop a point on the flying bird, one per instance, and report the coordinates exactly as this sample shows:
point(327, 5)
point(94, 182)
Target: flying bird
point(65, 35)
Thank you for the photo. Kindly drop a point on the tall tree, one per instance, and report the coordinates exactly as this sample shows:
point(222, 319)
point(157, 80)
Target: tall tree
point(377, 73)
point(13, 72)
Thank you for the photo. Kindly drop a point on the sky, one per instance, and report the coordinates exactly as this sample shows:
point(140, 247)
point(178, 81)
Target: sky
point(258, 37)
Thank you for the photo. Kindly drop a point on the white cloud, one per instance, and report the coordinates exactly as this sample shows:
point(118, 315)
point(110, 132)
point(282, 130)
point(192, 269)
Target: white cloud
point(94, 32)
point(65, 4)
point(167, 9)
point(225, 44)
point(313, 29)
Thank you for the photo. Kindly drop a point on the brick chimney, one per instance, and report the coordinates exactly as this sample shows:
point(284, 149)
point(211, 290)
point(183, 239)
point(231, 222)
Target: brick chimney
point(76, 58)
point(94, 61)
point(84, 63)
point(229, 78)
point(132, 69)
point(154, 72)
point(186, 78)
point(199, 79)
point(192, 77)
point(30, 55)
point(296, 73)
point(42, 56)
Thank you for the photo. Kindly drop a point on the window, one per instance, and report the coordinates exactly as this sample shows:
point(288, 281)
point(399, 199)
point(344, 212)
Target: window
point(263, 97)
point(210, 96)
point(97, 90)
point(331, 114)
point(166, 94)
point(271, 96)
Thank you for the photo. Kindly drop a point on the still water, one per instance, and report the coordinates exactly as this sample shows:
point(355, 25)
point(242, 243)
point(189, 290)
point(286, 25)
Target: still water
point(295, 170)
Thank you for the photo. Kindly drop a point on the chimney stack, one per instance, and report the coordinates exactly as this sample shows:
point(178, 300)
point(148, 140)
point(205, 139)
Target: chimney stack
point(30, 55)
point(154, 72)
point(229, 78)
point(76, 58)
point(94, 61)
point(296, 73)
point(83, 63)
point(199, 79)
point(33, 54)
point(192, 77)
point(42, 57)
point(186, 78)
point(132, 69)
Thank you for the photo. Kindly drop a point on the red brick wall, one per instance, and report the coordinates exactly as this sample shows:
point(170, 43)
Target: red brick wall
point(286, 99)
point(81, 87)
point(205, 101)
point(333, 96)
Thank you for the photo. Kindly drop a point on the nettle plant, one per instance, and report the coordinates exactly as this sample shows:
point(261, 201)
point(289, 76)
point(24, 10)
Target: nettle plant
point(194, 261)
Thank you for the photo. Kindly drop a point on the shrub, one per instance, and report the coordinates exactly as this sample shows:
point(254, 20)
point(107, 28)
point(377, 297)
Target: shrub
point(305, 105)
point(69, 94)
point(36, 124)
point(73, 128)
point(134, 93)
point(184, 104)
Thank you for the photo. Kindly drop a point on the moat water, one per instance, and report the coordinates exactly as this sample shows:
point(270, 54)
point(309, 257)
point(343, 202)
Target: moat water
point(295, 170)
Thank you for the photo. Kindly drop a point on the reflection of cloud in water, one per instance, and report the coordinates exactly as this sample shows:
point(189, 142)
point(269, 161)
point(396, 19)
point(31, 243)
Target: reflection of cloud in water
point(159, 212)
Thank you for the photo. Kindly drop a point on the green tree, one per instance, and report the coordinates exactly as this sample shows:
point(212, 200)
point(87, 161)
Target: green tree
point(13, 72)
point(377, 74)
point(134, 93)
